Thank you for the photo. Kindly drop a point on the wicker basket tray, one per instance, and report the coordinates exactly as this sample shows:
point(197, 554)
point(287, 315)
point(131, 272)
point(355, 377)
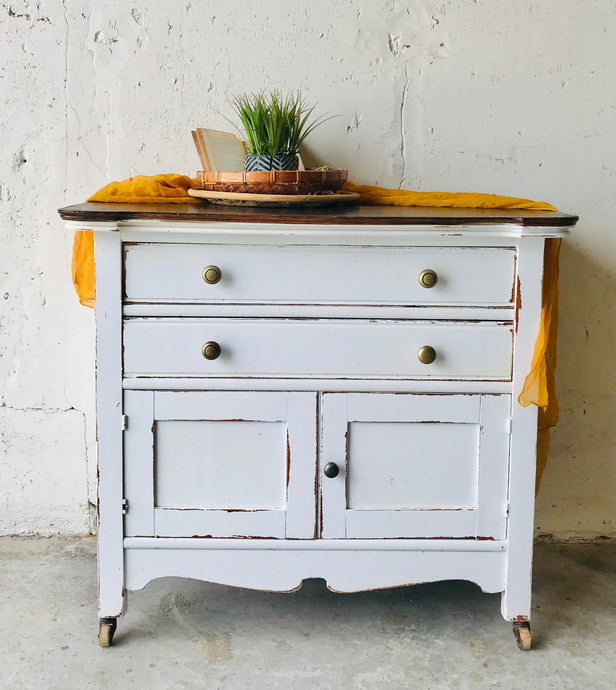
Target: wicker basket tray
point(273, 181)
point(276, 200)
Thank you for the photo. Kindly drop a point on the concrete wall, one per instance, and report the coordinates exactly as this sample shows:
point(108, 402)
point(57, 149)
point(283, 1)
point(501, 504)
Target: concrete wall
point(466, 95)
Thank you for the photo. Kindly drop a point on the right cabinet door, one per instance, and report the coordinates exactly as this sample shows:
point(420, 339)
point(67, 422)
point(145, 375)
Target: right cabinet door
point(414, 465)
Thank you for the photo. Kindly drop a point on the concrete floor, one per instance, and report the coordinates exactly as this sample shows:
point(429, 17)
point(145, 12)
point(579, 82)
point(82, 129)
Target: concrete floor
point(188, 634)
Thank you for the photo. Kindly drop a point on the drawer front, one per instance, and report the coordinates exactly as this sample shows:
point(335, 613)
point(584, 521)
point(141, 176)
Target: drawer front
point(317, 348)
point(313, 275)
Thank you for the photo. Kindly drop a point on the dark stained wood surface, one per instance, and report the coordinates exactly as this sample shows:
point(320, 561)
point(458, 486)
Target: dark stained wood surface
point(341, 215)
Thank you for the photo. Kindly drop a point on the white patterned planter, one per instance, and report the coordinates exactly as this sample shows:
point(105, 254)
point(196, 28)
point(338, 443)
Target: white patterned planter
point(281, 161)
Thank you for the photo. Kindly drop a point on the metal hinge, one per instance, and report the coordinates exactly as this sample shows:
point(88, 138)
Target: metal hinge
point(124, 506)
point(507, 509)
point(124, 422)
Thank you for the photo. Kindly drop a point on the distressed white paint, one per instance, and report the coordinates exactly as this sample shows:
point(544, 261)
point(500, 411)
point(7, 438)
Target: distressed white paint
point(225, 476)
point(490, 96)
point(348, 570)
point(138, 443)
point(320, 348)
point(197, 463)
point(110, 422)
point(516, 598)
point(220, 464)
point(415, 465)
point(388, 276)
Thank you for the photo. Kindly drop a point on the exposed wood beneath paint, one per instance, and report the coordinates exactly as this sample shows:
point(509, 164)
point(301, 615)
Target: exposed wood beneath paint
point(356, 215)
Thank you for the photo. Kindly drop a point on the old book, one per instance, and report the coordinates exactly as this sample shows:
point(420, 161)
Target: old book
point(219, 150)
point(199, 147)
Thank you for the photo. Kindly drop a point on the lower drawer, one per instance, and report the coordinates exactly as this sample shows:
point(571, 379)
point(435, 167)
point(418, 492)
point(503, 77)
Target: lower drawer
point(317, 348)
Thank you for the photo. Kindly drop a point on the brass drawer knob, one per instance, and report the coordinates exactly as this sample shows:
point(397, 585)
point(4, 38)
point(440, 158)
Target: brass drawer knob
point(426, 354)
point(331, 470)
point(211, 275)
point(211, 350)
point(428, 278)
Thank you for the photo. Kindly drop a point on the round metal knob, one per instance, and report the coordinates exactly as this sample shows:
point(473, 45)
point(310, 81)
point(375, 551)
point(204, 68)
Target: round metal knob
point(331, 470)
point(428, 278)
point(211, 350)
point(211, 274)
point(426, 354)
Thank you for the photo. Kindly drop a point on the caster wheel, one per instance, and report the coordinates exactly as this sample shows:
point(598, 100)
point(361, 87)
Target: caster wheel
point(107, 627)
point(523, 635)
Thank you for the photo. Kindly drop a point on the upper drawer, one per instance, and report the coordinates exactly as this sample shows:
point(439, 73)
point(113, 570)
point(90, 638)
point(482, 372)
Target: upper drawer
point(319, 275)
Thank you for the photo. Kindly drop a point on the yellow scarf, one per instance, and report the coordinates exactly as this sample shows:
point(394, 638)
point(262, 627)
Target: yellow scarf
point(404, 197)
point(538, 387)
point(143, 189)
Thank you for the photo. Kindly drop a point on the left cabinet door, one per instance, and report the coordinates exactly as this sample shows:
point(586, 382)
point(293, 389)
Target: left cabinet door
point(220, 464)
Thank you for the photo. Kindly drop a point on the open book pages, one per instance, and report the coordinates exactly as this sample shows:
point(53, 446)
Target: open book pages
point(219, 150)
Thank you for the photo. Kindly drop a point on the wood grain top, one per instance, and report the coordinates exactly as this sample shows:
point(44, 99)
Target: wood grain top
point(348, 215)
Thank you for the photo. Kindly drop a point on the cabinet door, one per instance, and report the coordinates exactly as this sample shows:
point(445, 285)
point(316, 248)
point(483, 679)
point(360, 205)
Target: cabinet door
point(220, 464)
point(414, 465)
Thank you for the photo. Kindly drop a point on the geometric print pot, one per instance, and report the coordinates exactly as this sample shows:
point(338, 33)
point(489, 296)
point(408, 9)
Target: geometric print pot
point(281, 161)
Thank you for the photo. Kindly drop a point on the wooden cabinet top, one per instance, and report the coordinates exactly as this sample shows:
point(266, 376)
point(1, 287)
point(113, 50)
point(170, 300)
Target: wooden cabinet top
point(335, 215)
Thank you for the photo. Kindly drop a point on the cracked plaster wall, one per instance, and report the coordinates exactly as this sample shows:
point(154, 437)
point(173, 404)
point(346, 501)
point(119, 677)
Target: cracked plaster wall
point(516, 98)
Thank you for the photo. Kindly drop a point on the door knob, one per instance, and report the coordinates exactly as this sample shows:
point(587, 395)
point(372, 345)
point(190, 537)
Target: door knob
point(211, 274)
point(331, 470)
point(426, 354)
point(211, 350)
point(428, 278)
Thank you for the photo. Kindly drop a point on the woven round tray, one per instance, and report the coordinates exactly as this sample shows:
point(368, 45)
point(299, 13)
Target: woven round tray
point(277, 200)
point(273, 181)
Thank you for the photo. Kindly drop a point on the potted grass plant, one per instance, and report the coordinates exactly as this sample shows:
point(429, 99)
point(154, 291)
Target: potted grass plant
point(274, 127)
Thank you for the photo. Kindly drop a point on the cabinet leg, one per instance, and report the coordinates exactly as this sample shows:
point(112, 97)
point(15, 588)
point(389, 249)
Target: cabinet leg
point(521, 630)
point(107, 626)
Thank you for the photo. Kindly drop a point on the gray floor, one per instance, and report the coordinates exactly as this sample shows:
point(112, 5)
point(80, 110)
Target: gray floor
point(187, 634)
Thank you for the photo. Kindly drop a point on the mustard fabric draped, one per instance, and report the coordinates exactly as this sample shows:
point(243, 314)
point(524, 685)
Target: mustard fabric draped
point(149, 189)
point(142, 189)
point(538, 389)
point(540, 384)
point(404, 197)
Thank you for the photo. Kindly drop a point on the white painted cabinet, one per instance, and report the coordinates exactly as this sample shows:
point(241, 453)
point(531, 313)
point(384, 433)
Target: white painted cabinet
point(285, 396)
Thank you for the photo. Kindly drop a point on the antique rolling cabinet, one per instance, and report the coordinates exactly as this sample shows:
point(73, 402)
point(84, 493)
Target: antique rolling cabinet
point(328, 394)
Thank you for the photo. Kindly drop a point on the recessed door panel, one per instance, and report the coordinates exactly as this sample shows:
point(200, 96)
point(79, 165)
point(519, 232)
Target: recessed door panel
point(412, 465)
point(221, 465)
